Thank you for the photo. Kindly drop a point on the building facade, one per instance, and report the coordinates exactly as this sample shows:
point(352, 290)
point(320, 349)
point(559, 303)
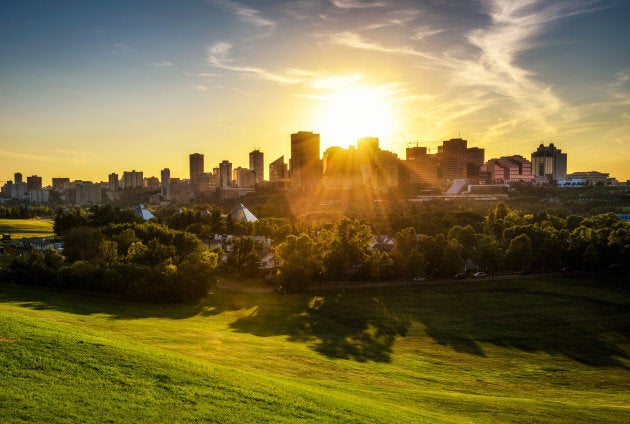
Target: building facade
point(257, 164)
point(549, 164)
point(305, 163)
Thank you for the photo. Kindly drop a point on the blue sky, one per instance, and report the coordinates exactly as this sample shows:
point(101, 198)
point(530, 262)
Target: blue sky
point(93, 87)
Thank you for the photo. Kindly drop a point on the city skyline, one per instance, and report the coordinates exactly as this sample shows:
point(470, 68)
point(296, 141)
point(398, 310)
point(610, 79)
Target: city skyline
point(88, 90)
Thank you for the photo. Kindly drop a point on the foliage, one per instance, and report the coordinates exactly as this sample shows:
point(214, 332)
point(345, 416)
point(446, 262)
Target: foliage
point(147, 262)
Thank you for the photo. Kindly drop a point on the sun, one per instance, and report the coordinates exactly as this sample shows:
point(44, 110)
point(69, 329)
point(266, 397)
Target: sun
point(353, 112)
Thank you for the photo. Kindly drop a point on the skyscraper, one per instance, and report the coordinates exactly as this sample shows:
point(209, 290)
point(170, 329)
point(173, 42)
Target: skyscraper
point(196, 167)
point(257, 164)
point(549, 163)
point(165, 175)
point(225, 174)
point(306, 166)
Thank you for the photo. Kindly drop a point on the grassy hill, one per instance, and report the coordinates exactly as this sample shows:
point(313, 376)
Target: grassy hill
point(19, 228)
point(547, 350)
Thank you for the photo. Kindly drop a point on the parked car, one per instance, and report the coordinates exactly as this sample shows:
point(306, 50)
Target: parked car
point(460, 275)
point(479, 274)
point(418, 279)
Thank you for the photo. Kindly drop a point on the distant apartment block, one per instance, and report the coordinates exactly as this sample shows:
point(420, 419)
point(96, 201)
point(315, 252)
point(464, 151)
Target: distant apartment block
point(506, 170)
point(245, 178)
point(58, 183)
point(151, 184)
point(132, 179)
point(33, 182)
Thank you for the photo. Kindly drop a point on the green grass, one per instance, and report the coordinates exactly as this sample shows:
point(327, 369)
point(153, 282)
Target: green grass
point(547, 350)
point(20, 228)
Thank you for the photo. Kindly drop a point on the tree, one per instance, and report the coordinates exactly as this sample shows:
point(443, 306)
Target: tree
point(347, 247)
point(243, 258)
point(408, 258)
point(488, 254)
point(300, 262)
point(82, 243)
point(452, 258)
point(520, 255)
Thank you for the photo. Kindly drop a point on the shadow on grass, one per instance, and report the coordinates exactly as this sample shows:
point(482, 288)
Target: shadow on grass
point(42, 299)
point(588, 323)
point(339, 325)
point(591, 328)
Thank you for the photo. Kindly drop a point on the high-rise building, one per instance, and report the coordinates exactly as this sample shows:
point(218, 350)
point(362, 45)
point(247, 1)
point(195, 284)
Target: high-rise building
point(152, 184)
point(33, 182)
point(58, 183)
point(17, 177)
point(257, 164)
point(165, 177)
point(306, 166)
point(132, 179)
point(225, 174)
point(278, 170)
point(196, 169)
point(549, 164)
point(112, 182)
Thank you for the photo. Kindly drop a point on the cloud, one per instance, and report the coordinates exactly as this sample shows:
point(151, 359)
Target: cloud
point(246, 14)
point(358, 4)
point(123, 49)
point(353, 40)
point(423, 32)
point(161, 64)
point(218, 56)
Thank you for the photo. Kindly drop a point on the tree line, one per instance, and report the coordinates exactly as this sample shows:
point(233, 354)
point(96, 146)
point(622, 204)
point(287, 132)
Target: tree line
point(503, 240)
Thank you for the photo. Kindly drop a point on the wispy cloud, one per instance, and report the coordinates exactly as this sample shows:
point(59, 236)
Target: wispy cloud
point(161, 64)
point(246, 14)
point(354, 40)
point(422, 32)
point(122, 49)
point(358, 4)
point(218, 56)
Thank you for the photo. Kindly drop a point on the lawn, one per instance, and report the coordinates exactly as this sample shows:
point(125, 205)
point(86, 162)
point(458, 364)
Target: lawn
point(537, 350)
point(20, 228)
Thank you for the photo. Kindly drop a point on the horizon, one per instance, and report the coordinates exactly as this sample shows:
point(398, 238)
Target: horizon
point(92, 89)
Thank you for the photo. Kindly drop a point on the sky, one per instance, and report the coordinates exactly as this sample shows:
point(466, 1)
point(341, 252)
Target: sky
point(88, 88)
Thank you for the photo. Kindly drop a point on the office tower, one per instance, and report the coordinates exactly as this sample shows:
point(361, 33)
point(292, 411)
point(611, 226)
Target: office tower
point(257, 164)
point(17, 177)
point(112, 182)
point(278, 170)
point(33, 183)
point(549, 164)
point(474, 159)
point(306, 166)
point(165, 177)
point(225, 174)
point(196, 169)
point(132, 179)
